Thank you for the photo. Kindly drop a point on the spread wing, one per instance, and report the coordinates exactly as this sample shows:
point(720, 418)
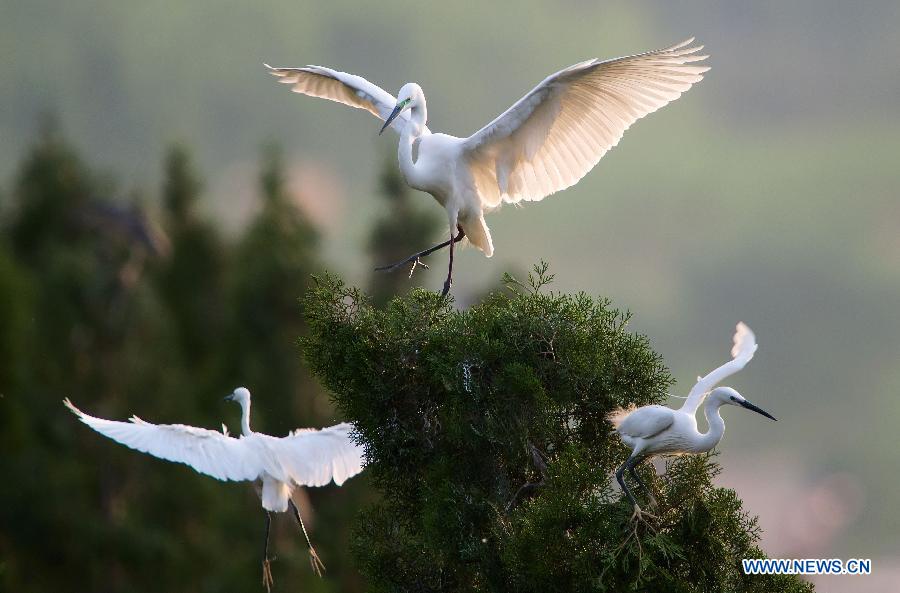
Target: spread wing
point(309, 457)
point(646, 422)
point(207, 451)
point(349, 89)
point(741, 353)
point(556, 133)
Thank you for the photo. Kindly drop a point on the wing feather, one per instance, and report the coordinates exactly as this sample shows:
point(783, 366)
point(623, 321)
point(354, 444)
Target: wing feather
point(309, 457)
point(207, 451)
point(645, 422)
point(741, 353)
point(349, 89)
point(558, 132)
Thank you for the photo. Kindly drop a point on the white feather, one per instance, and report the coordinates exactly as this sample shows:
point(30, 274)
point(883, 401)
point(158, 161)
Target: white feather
point(306, 457)
point(741, 353)
point(556, 133)
point(349, 89)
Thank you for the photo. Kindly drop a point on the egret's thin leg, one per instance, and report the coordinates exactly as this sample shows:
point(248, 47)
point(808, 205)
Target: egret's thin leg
point(637, 479)
point(449, 281)
point(314, 559)
point(414, 258)
point(620, 476)
point(268, 581)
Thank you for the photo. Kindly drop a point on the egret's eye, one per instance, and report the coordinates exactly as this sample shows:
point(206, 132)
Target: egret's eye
point(734, 399)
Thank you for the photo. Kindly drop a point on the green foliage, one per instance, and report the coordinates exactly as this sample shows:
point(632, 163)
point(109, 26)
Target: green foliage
point(486, 434)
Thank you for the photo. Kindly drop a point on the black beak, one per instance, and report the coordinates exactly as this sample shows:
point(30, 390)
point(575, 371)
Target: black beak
point(391, 118)
point(228, 398)
point(758, 410)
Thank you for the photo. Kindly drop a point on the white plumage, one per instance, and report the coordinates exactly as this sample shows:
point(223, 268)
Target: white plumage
point(741, 352)
point(306, 457)
point(556, 133)
point(658, 430)
point(544, 143)
point(349, 89)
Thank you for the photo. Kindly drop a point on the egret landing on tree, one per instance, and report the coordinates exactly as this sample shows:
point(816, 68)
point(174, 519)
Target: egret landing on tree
point(658, 430)
point(544, 143)
point(306, 457)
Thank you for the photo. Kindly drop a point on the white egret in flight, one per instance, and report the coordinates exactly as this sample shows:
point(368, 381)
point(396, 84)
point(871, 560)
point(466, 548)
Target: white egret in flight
point(658, 430)
point(544, 143)
point(306, 457)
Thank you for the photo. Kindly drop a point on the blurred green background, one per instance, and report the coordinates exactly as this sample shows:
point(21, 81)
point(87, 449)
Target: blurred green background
point(768, 194)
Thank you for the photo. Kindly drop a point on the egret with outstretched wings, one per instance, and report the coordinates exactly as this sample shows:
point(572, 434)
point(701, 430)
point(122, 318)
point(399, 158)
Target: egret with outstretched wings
point(306, 457)
point(544, 143)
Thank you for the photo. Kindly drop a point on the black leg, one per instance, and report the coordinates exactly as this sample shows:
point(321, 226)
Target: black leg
point(414, 258)
point(638, 514)
point(637, 479)
point(453, 241)
point(268, 581)
point(449, 279)
point(314, 560)
point(620, 476)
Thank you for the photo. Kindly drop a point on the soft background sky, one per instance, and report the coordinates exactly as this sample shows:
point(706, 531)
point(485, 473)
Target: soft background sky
point(768, 193)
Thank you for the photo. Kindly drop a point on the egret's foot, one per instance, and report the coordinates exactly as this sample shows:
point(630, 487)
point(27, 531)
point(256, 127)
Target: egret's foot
point(415, 264)
point(415, 260)
point(268, 581)
point(640, 516)
point(447, 284)
point(316, 562)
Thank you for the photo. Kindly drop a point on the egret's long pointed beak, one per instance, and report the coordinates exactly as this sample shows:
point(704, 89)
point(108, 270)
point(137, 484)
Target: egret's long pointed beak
point(758, 410)
point(392, 117)
point(229, 397)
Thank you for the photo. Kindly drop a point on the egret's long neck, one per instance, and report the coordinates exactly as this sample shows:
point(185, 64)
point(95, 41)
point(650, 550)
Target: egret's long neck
point(418, 115)
point(245, 417)
point(716, 425)
point(405, 154)
point(411, 132)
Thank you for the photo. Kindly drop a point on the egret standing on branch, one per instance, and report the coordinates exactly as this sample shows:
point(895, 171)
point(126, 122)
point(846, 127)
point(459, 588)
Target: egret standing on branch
point(658, 430)
point(306, 457)
point(544, 143)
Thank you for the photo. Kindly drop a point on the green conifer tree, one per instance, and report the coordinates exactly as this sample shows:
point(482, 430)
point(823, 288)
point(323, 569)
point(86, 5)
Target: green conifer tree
point(487, 436)
point(191, 281)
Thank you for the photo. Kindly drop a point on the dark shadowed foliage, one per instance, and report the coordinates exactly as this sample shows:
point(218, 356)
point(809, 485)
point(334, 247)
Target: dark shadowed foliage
point(487, 436)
